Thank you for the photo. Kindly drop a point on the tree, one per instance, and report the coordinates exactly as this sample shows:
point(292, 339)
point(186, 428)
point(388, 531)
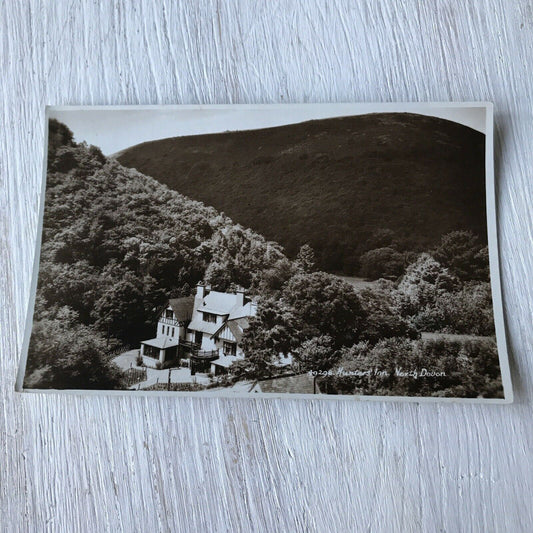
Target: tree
point(325, 305)
point(318, 353)
point(120, 310)
point(464, 255)
point(306, 259)
point(468, 311)
point(382, 318)
point(67, 355)
point(275, 328)
point(425, 282)
point(270, 281)
point(382, 263)
point(58, 135)
point(274, 331)
point(380, 238)
point(219, 275)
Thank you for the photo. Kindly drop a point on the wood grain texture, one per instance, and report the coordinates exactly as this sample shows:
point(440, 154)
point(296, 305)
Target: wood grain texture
point(161, 464)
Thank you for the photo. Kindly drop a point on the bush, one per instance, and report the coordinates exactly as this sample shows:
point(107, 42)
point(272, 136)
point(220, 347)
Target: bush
point(455, 368)
point(66, 355)
point(325, 305)
point(317, 353)
point(466, 311)
point(383, 320)
point(464, 255)
point(424, 283)
point(382, 263)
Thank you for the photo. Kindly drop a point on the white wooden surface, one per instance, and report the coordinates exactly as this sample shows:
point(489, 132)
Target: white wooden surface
point(136, 464)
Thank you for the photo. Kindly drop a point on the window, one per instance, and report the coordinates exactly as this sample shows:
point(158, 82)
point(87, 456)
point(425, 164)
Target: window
point(210, 317)
point(150, 351)
point(169, 314)
point(230, 348)
point(168, 330)
point(172, 332)
point(163, 330)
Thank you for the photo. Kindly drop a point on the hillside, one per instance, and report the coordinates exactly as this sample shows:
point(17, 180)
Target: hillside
point(117, 244)
point(333, 183)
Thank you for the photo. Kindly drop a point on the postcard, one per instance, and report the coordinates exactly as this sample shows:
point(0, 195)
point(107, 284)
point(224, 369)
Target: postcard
point(321, 251)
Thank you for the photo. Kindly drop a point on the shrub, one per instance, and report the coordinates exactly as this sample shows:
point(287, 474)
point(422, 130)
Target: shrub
point(454, 368)
point(66, 355)
point(382, 263)
point(325, 305)
point(464, 255)
point(383, 319)
point(317, 353)
point(424, 283)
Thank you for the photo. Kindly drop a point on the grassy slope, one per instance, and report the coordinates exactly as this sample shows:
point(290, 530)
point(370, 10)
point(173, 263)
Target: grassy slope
point(333, 182)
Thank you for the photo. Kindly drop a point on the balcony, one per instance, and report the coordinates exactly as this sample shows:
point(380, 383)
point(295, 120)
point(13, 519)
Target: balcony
point(205, 355)
point(168, 321)
point(193, 349)
point(189, 345)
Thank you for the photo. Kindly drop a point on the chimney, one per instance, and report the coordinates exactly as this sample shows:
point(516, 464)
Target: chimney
point(240, 297)
point(200, 290)
point(253, 308)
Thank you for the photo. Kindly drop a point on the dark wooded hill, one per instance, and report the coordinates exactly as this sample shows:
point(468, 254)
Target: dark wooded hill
point(333, 183)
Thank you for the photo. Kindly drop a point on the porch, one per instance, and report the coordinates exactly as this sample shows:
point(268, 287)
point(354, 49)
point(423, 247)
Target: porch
point(160, 349)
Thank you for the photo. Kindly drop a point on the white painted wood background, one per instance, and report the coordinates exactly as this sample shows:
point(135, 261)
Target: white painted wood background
point(163, 464)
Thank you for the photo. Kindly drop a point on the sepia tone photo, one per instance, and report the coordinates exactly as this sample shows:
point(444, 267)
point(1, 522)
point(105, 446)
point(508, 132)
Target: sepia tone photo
point(321, 251)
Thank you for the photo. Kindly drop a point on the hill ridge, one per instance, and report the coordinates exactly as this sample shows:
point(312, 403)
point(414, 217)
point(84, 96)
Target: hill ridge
point(336, 184)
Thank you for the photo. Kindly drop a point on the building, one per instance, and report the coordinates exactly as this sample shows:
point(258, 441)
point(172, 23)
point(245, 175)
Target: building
point(206, 328)
point(216, 329)
point(171, 329)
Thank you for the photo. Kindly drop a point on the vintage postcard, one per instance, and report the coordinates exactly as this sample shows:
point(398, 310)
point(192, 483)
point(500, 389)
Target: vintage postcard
point(336, 251)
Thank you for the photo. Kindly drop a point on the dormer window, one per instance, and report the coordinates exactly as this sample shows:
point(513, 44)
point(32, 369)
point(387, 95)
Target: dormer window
point(210, 317)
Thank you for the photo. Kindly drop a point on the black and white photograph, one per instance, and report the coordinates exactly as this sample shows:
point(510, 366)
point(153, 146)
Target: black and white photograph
point(314, 250)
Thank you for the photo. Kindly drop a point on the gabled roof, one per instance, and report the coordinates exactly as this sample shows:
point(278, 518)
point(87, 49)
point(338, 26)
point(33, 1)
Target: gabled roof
point(236, 326)
point(240, 311)
point(226, 305)
point(182, 307)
